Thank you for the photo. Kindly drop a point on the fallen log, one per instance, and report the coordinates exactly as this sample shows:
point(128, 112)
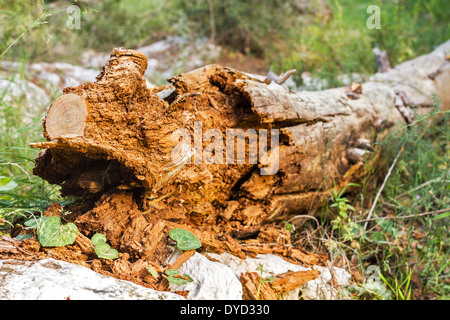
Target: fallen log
point(148, 160)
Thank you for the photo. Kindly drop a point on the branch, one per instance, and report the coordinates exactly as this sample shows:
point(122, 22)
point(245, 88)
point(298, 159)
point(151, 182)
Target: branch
point(382, 187)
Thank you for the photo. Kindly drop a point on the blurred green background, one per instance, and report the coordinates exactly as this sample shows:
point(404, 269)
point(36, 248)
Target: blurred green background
point(325, 38)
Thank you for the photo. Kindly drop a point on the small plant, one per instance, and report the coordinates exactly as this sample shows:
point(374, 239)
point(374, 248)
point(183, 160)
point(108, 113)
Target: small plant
point(173, 276)
point(102, 249)
point(289, 227)
point(176, 278)
point(6, 184)
point(153, 272)
point(185, 239)
point(262, 280)
point(343, 221)
point(51, 233)
point(371, 289)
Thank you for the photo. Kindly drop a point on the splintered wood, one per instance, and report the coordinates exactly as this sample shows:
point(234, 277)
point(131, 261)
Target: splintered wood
point(256, 287)
point(112, 143)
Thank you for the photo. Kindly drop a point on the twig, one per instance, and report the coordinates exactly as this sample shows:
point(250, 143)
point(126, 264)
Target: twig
point(18, 166)
point(408, 216)
point(266, 244)
point(212, 22)
point(433, 75)
point(403, 105)
point(418, 187)
point(382, 186)
point(309, 240)
point(284, 76)
point(439, 277)
point(300, 216)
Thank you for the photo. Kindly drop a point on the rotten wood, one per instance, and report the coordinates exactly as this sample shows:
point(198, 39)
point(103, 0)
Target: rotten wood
point(255, 288)
point(14, 248)
point(182, 259)
point(291, 280)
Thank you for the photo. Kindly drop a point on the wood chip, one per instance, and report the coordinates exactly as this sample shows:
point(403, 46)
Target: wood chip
point(292, 280)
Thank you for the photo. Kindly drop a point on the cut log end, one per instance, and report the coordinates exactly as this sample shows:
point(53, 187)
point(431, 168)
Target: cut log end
point(66, 117)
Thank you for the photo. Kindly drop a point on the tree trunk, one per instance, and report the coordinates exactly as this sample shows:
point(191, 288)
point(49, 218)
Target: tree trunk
point(111, 142)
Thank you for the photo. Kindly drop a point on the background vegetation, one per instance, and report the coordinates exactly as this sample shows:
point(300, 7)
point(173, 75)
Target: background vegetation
point(407, 238)
point(326, 38)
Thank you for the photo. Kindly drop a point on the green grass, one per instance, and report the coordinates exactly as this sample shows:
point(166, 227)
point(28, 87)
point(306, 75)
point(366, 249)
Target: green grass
point(344, 44)
point(407, 236)
point(21, 193)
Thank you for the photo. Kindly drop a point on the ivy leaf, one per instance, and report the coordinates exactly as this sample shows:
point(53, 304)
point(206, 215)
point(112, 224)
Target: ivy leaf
point(103, 250)
point(174, 277)
point(153, 272)
point(98, 238)
point(32, 223)
point(23, 236)
point(172, 272)
point(180, 280)
point(7, 184)
point(185, 239)
point(52, 234)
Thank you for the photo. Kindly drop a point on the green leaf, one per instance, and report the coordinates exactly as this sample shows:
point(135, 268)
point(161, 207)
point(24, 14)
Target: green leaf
point(172, 272)
point(442, 215)
point(23, 236)
point(98, 238)
point(185, 239)
point(7, 184)
point(32, 223)
point(103, 250)
point(377, 236)
point(52, 234)
point(152, 272)
point(179, 281)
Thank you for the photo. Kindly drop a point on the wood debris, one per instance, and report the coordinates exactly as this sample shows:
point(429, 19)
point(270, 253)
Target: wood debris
point(255, 288)
point(292, 280)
